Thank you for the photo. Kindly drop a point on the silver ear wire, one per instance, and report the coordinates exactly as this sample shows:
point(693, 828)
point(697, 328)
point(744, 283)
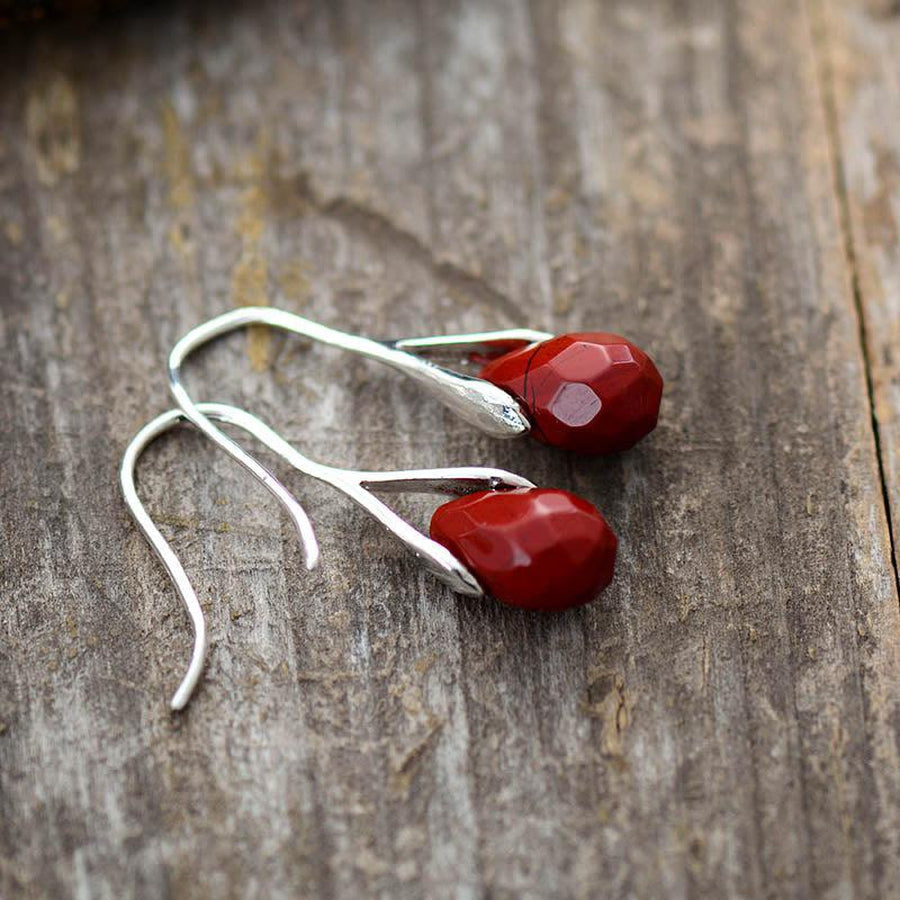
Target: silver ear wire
point(170, 561)
point(454, 481)
point(167, 556)
point(482, 342)
point(479, 402)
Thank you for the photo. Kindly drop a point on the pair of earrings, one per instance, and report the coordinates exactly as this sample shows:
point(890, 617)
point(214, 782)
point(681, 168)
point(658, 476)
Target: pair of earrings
point(536, 548)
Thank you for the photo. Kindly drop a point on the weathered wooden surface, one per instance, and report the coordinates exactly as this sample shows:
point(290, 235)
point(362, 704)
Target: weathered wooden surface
point(860, 44)
point(724, 722)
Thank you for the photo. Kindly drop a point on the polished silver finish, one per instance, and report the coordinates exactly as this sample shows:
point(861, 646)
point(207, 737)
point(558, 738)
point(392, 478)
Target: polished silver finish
point(357, 485)
point(486, 343)
point(479, 402)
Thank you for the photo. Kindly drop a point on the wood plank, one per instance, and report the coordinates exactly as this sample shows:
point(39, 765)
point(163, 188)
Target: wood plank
point(858, 50)
point(722, 723)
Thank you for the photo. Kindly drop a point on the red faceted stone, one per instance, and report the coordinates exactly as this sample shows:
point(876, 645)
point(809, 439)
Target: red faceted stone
point(537, 548)
point(594, 393)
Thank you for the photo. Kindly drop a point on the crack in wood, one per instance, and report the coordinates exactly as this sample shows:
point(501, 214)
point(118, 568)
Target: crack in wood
point(826, 78)
point(380, 229)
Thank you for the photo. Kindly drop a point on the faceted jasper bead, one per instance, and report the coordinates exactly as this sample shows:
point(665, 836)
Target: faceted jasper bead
point(594, 393)
point(535, 548)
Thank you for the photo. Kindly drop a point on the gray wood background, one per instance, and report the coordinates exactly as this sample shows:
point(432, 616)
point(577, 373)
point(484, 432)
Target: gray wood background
point(719, 180)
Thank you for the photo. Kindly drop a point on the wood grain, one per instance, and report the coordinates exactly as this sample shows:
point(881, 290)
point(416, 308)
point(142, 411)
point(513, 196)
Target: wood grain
point(862, 73)
point(724, 722)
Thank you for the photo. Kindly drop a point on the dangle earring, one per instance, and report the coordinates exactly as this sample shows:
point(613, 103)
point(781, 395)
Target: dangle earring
point(590, 392)
point(535, 548)
point(540, 549)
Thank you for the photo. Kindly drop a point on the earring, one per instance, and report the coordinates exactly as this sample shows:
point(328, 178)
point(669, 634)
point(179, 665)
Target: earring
point(592, 392)
point(540, 549)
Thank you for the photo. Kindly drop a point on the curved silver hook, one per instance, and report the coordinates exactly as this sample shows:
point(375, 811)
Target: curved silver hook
point(357, 485)
point(167, 556)
point(479, 402)
point(170, 561)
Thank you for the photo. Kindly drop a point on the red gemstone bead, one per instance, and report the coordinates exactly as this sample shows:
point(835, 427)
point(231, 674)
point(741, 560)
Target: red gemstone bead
point(536, 548)
point(594, 393)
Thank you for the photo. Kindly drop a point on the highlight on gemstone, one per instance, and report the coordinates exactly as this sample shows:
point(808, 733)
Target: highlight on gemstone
point(593, 392)
point(535, 548)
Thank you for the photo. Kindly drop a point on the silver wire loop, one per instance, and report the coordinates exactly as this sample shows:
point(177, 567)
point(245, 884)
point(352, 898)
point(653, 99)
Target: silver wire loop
point(455, 481)
point(483, 342)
